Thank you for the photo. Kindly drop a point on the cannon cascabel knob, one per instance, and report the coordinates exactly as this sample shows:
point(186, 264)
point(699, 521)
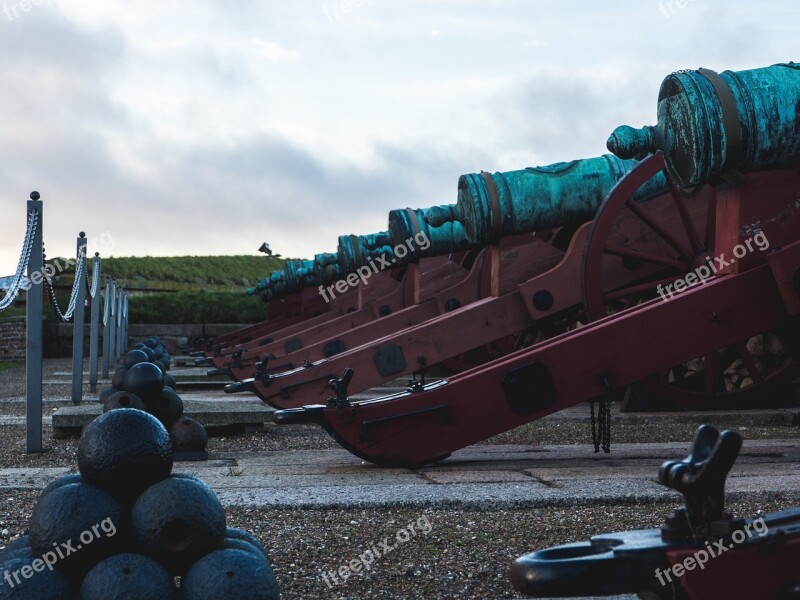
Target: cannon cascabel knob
point(629, 142)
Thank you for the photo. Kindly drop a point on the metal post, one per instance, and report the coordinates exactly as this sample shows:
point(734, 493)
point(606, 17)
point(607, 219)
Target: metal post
point(34, 330)
point(127, 321)
point(112, 325)
point(94, 336)
point(79, 317)
point(118, 330)
point(107, 329)
point(120, 324)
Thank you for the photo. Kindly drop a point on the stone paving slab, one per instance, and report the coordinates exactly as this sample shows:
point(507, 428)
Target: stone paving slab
point(70, 420)
point(479, 477)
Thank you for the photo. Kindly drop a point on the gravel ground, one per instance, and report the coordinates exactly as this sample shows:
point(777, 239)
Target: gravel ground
point(465, 554)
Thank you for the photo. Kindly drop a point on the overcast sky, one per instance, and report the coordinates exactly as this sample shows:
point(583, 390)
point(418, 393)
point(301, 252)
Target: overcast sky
point(192, 127)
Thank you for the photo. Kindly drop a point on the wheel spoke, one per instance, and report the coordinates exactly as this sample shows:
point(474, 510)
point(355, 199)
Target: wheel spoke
point(691, 232)
point(650, 286)
point(747, 358)
point(643, 215)
point(711, 217)
point(710, 374)
point(647, 257)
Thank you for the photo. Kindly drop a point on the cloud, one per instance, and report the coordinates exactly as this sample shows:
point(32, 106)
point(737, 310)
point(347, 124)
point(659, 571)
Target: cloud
point(194, 127)
point(274, 51)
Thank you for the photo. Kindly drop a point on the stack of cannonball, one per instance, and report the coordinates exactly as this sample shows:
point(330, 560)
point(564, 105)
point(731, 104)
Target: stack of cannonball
point(125, 528)
point(142, 382)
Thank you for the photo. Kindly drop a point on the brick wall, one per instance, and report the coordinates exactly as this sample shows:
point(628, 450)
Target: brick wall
point(12, 339)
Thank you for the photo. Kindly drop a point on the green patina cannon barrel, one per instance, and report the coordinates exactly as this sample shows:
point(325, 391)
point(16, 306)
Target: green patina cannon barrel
point(716, 126)
point(271, 287)
point(357, 250)
point(491, 206)
point(327, 268)
point(299, 274)
point(409, 227)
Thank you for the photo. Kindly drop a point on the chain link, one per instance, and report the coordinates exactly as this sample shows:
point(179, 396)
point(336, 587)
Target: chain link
point(92, 291)
point(24, 259)
point(602, 439)
point(105, 306)
point(79, 269)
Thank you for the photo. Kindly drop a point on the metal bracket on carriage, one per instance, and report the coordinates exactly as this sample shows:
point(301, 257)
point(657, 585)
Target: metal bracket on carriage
point(218, 372)
point(263, 369)
point(339, 387)
point(644, 561)
point(262, 366)
point(418, 385)
point(236, 359)
point(700, 477)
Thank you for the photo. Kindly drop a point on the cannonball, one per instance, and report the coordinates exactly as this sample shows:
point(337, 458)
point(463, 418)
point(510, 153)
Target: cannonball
point(63, 480)
point(237, 544)
point(160, 365)
point(241, 534)
point(52, 585)
point(18, 548)
point(188, 435)
point(177, 521)
point(146, 381)
point(75, 526)
point(159, 351)
point(151, 342)
point(168, 408)
point(123, 400)
point(229, 575)
point(127, 577)
point(134, 357)
point(139, 346)
point(151, 355)
point(118, 379)
point(169, 380)
point(106, 393)
point(124, 451)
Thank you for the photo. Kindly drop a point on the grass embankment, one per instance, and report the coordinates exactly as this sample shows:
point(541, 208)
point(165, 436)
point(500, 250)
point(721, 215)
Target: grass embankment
point(234, 271)
point(186, 289)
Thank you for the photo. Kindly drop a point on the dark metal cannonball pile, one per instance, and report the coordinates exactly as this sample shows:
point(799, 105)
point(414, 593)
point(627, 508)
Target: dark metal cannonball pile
point(143, 382)
point(126, 528)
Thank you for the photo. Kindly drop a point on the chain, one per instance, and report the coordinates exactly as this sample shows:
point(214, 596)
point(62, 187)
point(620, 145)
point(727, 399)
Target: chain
point(79, 269)
point(92, 291)
point(24, 259)
point(105, 306)
point(602, 438)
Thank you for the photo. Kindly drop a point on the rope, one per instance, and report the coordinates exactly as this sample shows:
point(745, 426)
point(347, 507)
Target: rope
point(24, 259)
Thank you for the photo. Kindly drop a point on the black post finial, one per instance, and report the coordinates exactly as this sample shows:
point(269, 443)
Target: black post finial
point(82, 234)
point(35, 195)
